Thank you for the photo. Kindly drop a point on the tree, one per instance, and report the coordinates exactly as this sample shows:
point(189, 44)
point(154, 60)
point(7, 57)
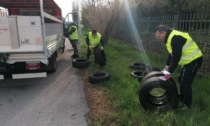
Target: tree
point(101, 15)
point(75, 7)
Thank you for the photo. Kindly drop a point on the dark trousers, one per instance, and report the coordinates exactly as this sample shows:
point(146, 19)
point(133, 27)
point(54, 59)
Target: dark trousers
point(74, 46)
point(185, 79)
point(89, 52)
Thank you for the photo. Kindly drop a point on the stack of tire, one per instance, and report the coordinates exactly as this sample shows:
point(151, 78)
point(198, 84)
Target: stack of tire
point(156, 94)
point(141, 69)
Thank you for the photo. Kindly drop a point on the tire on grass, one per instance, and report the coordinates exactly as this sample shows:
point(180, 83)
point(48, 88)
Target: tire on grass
point(156, 94)
point(100, 56)
point(153, 74)
point(97, 77)
point(80, 63)
point(138, 74)
point(139, 66)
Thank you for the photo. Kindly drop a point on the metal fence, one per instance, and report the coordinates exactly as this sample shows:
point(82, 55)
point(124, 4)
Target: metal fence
point(197, 25)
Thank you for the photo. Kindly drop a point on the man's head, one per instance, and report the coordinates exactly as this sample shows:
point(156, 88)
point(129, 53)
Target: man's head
point(161, 32)
point(68, 23)
point(94, 33)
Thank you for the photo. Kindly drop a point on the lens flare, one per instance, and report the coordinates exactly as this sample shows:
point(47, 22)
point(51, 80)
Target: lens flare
point(135, 33)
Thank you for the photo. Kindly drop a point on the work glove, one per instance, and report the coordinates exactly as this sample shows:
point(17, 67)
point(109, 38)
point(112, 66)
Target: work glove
point(166, 75)
point(102, 48)
point(90, 47)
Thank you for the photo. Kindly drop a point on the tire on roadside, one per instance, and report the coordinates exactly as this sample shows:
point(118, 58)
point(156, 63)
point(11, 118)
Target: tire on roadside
point(80, 63)
point(167, 100)
point(100, 56)
point(97, 77)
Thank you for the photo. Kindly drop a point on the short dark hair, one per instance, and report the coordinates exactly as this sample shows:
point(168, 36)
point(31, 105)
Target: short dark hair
point(94, 31)
point(162, 28)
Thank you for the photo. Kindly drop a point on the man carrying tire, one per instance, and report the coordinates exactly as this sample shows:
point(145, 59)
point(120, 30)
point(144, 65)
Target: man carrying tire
point(184, 51)
point(93, 40)
point(73, 37)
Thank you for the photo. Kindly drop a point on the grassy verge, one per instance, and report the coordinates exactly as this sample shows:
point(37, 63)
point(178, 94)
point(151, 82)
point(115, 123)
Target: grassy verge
point(122, 97)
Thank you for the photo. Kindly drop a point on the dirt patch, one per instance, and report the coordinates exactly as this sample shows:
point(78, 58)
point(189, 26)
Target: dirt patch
point(100, 110)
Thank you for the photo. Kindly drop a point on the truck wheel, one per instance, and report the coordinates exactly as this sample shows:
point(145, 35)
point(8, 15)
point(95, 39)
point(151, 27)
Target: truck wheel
point(156, 94)
point(52, 66)
point(80, 63)
point(63, 49)
point(98, 77)
point(100, 56)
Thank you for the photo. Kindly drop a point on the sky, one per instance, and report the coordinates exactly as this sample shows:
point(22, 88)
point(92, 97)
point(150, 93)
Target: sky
point(65, 5)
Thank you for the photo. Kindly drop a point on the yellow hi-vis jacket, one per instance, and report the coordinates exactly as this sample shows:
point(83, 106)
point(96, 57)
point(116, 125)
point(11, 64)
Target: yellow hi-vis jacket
point(190, 50)
point(74, 35)
point(94, 41)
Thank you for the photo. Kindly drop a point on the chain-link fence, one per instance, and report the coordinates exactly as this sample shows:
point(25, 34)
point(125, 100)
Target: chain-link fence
point(197, 25)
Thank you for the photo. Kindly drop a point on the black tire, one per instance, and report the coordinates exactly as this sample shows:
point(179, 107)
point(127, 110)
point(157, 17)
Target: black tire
point(168, 100)
point(100, 56)
point(103, 55)
point(98, 77)
point(80, 63)
point(139, 66)
point(52, 66)
point(138, 74)
point(154, 74)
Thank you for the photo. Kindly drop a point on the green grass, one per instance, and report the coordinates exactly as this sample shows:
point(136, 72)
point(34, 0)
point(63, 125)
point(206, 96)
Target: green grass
point(122, 89)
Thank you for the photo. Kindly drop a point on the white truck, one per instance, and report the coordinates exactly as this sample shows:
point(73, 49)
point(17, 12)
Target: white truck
point(31, 37)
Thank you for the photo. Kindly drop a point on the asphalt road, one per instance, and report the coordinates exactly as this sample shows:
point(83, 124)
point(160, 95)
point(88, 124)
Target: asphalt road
point(57, 100)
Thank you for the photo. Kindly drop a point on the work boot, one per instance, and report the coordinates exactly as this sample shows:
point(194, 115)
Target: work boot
point(183, 106)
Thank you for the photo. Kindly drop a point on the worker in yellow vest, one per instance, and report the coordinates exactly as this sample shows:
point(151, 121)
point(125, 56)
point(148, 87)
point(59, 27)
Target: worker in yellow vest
point(183, 51)
point(93, 40)
point(73, 38)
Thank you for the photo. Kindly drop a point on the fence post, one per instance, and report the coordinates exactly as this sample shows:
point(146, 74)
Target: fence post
point(176, 17)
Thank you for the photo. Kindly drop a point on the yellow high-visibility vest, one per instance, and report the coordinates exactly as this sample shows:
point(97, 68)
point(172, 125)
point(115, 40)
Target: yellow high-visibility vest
point(190, 50)
point(74, 35)
point(94, 41)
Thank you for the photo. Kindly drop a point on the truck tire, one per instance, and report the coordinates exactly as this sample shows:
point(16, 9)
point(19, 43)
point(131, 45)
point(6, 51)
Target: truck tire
point(154, 74)
point(166, 100)
point(52, 66)
point(63, 49)
point(98, 77)
point(138, 74)
point(80, 63)
point(100, 56)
